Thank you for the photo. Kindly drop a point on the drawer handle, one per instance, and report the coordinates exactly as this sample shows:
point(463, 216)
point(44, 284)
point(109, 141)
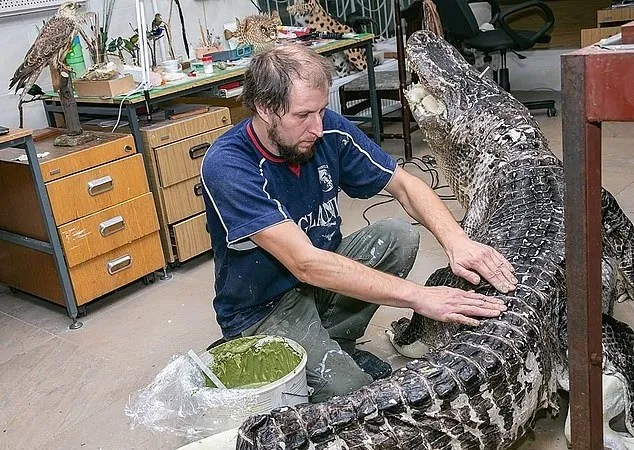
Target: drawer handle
point(119, 264)
point(111, 226)
point(127, 148)
point(198, 189)
point(100, 185)
point(198, 150)
point(224, 119)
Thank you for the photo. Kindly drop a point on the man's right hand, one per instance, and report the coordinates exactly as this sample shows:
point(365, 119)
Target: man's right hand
point(446, 304)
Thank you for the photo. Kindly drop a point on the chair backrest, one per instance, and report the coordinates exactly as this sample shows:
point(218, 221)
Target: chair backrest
point(457, 19)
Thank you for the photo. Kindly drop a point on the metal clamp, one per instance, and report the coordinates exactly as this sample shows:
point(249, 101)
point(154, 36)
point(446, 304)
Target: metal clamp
point(111, 226)
point(119, 264)
point(198, 150)
point(100, 185)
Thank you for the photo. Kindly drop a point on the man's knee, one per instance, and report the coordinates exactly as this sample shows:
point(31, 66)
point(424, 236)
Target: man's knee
point(401, 232)
point(398, 242)
point(346, 378)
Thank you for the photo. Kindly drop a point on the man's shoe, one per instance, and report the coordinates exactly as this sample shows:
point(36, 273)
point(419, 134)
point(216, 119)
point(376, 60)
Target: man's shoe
point(371, 364)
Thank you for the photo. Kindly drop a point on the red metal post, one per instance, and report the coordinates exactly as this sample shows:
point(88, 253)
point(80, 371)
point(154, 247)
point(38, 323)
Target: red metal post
point(582, 164)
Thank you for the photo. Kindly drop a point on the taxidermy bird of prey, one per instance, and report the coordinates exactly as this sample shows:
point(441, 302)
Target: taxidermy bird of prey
point(50, 47)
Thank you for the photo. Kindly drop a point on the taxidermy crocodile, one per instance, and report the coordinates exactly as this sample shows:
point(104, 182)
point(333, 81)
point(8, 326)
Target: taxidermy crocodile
point(480, 387)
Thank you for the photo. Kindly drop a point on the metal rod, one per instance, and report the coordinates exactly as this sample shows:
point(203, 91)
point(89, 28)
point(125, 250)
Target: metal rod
point(25, 241)
point(49, 222)
point(374, 104)
point(582, 168)
point(135, 127)
point(402, 78)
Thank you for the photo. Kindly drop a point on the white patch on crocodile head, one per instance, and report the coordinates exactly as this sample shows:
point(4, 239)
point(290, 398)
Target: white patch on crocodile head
point(423, 104)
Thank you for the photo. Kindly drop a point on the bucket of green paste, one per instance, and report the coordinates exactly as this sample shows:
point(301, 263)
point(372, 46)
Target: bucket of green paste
point(272, 367)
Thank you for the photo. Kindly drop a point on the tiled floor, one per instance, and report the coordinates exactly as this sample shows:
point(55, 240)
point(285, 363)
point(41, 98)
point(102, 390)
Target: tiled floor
point(63, 389)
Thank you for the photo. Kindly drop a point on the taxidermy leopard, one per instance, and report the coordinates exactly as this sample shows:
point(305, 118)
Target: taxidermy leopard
point(259, 30)
point(309, 13)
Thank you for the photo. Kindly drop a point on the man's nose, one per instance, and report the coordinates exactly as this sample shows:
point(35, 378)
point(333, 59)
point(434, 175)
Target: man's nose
point(317, 126)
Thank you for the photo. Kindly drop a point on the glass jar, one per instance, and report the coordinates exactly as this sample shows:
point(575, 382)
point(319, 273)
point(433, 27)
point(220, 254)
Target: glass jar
point(208, 64)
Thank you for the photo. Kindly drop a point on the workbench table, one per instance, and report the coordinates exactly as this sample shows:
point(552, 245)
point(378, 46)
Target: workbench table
point(110, 107)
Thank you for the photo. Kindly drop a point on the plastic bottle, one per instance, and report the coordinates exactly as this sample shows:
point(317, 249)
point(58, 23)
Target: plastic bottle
point(208, 64)
point(75, 58)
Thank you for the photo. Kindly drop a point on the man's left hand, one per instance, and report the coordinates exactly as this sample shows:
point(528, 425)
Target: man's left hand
point(471, 260)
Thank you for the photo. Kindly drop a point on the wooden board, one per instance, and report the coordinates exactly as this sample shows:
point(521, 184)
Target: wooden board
point(64, 161)
point(71, 199)
point(93, 279)
point(614, 16)
point(593, 35)
point(181, 202)
point(571, 16)
point(182, 159)
point(191, 237)
point(19, 206)
point(108, 229)
point(168, 131)
point(14, 133)
point(30, 271)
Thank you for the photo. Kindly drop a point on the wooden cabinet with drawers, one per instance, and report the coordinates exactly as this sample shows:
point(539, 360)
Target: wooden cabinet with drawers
point(174, 151)
point(104, 213)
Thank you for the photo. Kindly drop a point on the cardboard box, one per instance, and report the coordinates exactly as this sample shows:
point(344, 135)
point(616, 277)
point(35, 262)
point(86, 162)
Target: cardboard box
point(107, 88)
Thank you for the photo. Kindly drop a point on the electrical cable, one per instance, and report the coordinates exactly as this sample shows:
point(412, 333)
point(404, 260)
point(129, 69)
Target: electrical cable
point(139, 88)
point(426, 164)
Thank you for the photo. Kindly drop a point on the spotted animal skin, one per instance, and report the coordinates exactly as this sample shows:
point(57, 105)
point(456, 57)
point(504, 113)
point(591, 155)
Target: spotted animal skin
point(259, 30)
point(479, 387)
point(309, 13)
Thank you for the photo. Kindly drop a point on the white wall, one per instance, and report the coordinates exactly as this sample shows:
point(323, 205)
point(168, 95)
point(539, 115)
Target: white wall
point(18, 34)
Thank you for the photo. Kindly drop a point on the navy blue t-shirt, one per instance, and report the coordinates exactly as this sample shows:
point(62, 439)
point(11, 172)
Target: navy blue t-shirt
point(248, 189)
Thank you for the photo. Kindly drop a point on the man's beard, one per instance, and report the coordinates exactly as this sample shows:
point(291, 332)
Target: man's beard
point(291, 154)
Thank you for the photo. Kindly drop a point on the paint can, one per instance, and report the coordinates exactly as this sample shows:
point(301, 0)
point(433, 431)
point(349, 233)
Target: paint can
point(271, 369)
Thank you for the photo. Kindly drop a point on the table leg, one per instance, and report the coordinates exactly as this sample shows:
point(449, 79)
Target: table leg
point(135, 127)
point(49, 221)
point(582, 169)
point(374, 103)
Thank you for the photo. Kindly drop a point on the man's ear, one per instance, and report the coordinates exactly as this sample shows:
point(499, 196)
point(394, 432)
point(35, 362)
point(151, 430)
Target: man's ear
point(264, 113)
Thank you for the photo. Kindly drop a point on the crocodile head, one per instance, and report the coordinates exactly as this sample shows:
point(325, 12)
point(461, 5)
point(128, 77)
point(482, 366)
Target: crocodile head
point(448, 86)
point(462, 113)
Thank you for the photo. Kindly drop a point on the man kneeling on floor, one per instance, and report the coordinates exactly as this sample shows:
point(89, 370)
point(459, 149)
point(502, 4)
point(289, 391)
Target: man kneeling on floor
point(281, 264)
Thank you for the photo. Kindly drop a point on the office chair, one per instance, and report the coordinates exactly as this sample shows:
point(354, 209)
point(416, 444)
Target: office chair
point(389, 84)
point(462, 31)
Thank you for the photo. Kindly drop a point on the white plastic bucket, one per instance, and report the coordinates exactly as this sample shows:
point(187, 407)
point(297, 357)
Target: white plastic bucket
point(289, 390)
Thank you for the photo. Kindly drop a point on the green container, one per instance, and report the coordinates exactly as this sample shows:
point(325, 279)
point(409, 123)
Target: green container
point(75, 58)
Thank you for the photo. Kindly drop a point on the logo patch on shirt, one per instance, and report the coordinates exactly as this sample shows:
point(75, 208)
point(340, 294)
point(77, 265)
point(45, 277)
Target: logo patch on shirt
point(324, 178)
